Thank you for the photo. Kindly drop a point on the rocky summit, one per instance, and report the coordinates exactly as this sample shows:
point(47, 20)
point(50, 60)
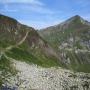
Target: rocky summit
point(56, 58)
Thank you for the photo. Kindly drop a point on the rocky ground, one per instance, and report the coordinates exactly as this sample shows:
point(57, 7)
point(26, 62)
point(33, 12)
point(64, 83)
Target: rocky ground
point(32, 77)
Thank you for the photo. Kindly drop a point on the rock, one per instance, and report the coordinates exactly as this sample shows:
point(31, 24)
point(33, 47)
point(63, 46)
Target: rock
point(32, 77)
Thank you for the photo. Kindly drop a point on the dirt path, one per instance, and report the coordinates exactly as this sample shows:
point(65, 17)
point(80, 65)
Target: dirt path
point(2, 52)
point(19, 43)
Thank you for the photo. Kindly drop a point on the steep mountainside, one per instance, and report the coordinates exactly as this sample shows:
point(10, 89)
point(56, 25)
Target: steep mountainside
point(20, 42)
point(17, 39)
point(72, 39)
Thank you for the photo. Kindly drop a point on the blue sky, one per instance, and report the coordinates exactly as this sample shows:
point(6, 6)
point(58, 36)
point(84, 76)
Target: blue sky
point(44, 13)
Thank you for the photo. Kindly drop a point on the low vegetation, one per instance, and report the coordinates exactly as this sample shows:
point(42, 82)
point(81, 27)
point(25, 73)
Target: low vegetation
point(41, 60)
point(6, 69)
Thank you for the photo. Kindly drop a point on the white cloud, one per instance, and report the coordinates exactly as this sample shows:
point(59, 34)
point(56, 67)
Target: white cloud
point(25, 6)
point(6, 8)
point(37, 9)
point(33, 2)
point(26, 9)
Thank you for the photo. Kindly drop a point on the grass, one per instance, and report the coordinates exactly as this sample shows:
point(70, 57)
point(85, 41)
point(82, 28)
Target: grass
point(76, 60)
point(6, 65)
point(5, 68)
point(39, 59)
point(5, 43)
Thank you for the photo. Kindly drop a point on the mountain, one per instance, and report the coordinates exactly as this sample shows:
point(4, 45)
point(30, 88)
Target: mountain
point(29, 61)
point(71, 39)
point(23, 43)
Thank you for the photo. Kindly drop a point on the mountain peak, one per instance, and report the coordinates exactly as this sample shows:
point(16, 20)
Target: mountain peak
point(76, 16)
point(75, 19)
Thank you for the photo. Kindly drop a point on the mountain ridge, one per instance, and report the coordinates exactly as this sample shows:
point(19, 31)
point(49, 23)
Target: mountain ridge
point(23, 43)
point(72, 39)
point(30, 61)
point(68, 21)
point(64, 40)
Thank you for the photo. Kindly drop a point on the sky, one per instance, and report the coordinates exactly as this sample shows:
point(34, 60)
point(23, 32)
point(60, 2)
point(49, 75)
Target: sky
point(43, 13)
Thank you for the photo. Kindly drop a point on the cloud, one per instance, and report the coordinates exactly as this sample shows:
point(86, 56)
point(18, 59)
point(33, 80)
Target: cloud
point(35, 6)
point(37, 9)
point(6, 8)
point(33, 2)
